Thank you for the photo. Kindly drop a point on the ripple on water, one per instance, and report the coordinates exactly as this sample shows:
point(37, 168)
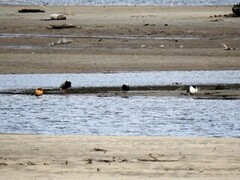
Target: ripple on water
point(24, 81)
point(138, 116)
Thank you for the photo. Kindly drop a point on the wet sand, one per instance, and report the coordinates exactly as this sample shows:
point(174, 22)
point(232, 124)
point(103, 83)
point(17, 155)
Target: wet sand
point(119, 39)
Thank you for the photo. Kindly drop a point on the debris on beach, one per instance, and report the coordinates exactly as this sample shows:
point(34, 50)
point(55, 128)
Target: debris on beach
point(62, 41)
point(98, 149)
point(31, 11)
point(55, 17)
point(226, 48)
point(236, 9)
point(155, 159)
point(63, 26)
point(216, 20)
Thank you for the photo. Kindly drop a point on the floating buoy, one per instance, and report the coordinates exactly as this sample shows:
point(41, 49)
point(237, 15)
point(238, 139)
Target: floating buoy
point(192, 90)
point(38, 92)
point(125, 87)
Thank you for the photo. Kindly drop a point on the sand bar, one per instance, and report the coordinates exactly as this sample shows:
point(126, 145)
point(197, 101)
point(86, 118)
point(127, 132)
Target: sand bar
point(119, 39)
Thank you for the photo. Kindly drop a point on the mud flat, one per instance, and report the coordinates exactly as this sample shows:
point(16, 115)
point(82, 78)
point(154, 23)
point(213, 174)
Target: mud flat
point(118, 39)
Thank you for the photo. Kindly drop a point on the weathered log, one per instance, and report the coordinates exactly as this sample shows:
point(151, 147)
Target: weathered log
point(31, 11)
point(63, 26)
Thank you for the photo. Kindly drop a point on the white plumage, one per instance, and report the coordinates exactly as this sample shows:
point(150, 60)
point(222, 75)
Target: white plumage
point(192, 90)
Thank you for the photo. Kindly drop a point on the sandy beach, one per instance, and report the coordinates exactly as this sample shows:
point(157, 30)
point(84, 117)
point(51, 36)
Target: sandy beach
point(97, 157)
point(112, 39)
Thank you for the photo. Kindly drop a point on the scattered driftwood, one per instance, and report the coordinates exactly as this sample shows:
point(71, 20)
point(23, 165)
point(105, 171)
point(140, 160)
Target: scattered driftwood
point(105, 160)
point(154, 159)
point(30, 163)
point(89, 161)
point(98, 149)
point(226, 48)
point(3, 164)
point(236, 9)
point(31, 11)
point(63, 26)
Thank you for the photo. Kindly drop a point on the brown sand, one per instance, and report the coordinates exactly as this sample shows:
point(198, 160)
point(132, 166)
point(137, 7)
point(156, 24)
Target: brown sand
point(94, 51)
point(73, 157)
point(82, 157)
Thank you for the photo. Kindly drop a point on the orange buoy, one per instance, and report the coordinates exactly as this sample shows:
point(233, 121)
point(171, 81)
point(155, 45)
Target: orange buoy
point(38, 92)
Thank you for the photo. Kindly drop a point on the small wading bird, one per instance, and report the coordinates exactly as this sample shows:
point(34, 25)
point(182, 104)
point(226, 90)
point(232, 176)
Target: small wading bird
point(192, 90)
point(125, 89)
point(65, 86)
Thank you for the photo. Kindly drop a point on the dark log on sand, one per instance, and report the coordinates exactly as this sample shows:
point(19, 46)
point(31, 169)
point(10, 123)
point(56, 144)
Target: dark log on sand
point(31, 11)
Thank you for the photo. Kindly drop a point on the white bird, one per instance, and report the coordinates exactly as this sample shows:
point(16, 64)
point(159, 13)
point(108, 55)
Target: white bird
point(192, 90)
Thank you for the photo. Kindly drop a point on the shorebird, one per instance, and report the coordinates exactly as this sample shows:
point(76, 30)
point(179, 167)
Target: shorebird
point(125, 87)
point(65, 86)
point(192, 90)
point(124, 90)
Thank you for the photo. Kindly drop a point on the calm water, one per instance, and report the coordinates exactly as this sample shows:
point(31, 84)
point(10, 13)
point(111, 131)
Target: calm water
point(138, 115)
point(25, 81)
point(124, 2)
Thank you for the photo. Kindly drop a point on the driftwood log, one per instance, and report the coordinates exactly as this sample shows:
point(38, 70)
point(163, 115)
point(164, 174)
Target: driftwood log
point(63, 26)
point(31, 11)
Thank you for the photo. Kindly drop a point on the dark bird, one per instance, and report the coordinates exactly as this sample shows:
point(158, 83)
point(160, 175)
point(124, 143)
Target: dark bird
point(125, 87)
point(65, 86)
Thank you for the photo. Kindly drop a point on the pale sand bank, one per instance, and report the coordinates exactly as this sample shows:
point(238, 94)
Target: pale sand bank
point(97, 157)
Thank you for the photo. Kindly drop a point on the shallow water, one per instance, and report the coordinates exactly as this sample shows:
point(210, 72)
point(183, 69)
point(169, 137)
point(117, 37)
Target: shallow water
point(138, 115)
point(26, 81)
